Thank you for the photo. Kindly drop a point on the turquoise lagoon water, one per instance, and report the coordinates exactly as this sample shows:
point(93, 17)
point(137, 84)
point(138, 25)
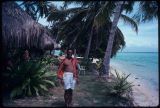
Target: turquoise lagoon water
point(142, 65)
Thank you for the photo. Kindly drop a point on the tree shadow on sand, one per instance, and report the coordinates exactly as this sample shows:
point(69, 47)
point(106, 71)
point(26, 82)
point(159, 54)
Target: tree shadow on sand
point(58, 103)
point(119, 101)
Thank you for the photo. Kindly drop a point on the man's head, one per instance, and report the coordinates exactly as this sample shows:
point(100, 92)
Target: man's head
point(69, 53)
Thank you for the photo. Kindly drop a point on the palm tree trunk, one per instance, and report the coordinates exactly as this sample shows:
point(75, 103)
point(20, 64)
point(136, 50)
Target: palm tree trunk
point(108, 52)
point(75, 38)
point(2, 56)
point(89, 45)
point(57, 37)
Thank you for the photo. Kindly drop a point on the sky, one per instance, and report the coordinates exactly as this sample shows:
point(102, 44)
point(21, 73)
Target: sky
point(145, 41)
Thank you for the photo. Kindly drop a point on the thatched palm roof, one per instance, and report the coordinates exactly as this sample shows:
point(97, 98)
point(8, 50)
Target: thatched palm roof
point(19, 30)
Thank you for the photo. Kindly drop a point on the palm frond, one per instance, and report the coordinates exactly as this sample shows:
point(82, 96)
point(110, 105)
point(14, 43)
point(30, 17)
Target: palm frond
point(55, 15)
point(85, 27)
point(104, 14)
point(29, 93)
point(121, 86)
point(126, 77)
point(100, 17)
point(129, 6)
point(49, 82)
point(130, 21)
point(77, 17)
point(43, 87)
point(15, 92)
point(48, 74)
point(78, 3)
point(119, 39)
point(148, 10)
point(36, 90)
point(32, 79)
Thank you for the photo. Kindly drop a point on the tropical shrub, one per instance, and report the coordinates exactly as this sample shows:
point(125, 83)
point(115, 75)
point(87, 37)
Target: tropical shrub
point(49, 59)
point(99, 67)
point(121, 86)
point(31, 79)
point(86, 62)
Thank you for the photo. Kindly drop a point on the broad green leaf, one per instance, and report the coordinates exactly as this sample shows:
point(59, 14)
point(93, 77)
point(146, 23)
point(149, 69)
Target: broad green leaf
point(36, 90)
point(49, 82)
point(43, 87)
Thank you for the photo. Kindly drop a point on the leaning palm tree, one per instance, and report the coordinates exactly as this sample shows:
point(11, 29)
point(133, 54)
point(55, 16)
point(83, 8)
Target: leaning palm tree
point(103, 15)
point(147, 12)
point(107, 56)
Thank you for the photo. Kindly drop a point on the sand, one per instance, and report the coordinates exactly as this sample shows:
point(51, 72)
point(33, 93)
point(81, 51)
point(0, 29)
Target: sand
point(142, 94)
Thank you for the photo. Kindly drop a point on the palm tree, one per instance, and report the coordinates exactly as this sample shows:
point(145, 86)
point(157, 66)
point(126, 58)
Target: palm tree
point(147, 11)
point(95, 13)
point(102, 16)
point(89, 44)
point(107, 56)
point(36, 9)
point(72, 25)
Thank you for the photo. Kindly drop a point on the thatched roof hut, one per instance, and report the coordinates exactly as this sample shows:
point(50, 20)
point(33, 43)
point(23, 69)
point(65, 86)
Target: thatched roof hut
point(19, 30)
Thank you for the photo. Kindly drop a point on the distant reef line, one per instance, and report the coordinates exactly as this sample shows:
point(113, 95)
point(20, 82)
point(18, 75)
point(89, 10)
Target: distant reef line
point(137, 52)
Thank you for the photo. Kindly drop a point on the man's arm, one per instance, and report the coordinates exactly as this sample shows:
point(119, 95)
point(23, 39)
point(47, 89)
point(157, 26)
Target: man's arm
point(77, 77)
point(60, 70)
point(59, 73)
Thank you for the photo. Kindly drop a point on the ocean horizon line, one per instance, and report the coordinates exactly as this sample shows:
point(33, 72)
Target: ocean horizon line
point(137, 52)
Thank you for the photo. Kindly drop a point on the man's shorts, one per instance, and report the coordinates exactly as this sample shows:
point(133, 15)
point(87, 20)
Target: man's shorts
point(69, 81)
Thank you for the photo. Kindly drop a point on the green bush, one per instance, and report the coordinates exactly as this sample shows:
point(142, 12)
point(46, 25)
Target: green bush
point(100, 67)
point(31, 79)
point(121, 86)
point(86, 62)
point(49, 59)
point(99, 64)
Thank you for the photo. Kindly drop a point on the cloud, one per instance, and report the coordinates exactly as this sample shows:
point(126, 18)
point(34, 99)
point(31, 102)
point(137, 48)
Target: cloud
point(145, 40)
point(148, 27)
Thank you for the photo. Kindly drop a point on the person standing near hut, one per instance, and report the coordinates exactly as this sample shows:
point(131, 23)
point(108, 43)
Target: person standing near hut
point(26, 56)
point(68, 76)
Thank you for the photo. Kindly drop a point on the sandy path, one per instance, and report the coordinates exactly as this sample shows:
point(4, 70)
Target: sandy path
point(90, 92)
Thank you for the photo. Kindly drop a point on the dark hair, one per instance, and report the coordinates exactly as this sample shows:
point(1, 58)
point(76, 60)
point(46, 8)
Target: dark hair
point(69, 49)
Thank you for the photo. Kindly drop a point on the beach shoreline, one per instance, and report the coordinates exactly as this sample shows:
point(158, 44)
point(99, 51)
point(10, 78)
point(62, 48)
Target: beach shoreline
point(142, 95)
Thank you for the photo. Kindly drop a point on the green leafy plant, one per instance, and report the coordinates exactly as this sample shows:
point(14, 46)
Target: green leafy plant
point(86, 62)
point(31, 79)
point(121, 86)
point(100, 67)
point(48, 60)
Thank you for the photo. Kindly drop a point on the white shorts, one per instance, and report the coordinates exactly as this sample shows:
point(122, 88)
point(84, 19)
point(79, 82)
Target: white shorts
point(69, 81)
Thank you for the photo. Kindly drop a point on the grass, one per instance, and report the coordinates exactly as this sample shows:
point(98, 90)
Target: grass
point(89, 92)
point(97, 93)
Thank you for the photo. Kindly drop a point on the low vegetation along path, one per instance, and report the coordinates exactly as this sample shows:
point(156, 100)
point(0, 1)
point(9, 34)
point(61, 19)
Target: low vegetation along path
point(89, 92)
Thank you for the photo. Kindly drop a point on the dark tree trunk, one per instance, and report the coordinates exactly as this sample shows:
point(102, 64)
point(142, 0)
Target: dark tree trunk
point(75, 38)
point(89, 45)
point(3, 63)
point(108, 52)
